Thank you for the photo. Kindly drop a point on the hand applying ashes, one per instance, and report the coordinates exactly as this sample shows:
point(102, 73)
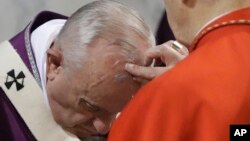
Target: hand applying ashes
point(158, 60)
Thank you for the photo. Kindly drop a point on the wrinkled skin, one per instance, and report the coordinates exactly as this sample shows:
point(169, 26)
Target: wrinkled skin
point(85, 101)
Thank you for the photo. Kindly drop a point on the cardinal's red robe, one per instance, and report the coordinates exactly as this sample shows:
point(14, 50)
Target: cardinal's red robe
point(202, 96)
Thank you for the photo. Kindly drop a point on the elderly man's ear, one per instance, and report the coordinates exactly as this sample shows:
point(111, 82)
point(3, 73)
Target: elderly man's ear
point(54, 61)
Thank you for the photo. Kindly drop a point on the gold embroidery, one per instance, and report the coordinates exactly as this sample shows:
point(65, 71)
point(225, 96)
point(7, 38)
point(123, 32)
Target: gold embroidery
point(215, 26)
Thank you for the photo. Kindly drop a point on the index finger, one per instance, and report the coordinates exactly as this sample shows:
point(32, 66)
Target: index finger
point(145, 72)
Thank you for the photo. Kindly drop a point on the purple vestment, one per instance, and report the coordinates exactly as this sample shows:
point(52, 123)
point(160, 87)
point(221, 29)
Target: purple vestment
point(12, 126)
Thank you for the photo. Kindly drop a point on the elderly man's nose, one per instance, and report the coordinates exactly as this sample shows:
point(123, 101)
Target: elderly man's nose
point(100, 126)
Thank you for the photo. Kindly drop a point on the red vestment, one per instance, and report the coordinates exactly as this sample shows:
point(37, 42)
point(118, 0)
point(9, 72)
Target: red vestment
point(199, 98)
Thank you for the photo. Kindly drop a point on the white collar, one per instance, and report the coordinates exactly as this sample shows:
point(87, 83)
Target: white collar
point(41, 40)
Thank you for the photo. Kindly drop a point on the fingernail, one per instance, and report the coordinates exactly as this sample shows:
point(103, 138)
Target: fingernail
point(128, 66)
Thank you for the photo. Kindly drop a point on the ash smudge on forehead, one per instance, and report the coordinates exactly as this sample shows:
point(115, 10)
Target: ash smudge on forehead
point(120, 77)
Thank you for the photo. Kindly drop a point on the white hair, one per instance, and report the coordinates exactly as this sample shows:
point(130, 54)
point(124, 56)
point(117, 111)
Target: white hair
point(101, 19)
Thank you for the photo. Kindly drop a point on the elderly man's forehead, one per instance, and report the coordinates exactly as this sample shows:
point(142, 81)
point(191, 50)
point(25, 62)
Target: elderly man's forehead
point(116, 51)
point(122, 76)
